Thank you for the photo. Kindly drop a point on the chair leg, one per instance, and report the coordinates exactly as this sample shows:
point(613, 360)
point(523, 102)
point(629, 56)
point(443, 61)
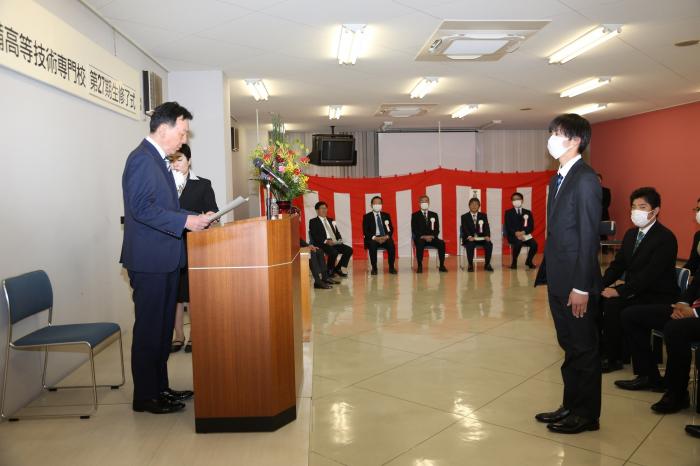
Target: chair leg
point(4, 383)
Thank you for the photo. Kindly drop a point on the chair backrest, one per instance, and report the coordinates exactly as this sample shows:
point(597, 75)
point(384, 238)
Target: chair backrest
point(607, 228)
point(682, 278)
point(27, 294)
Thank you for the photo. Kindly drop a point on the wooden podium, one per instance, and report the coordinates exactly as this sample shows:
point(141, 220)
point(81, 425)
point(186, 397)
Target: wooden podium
point(246, 324)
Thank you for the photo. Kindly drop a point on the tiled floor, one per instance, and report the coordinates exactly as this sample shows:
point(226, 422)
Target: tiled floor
point(449, 369)
point(421, 370)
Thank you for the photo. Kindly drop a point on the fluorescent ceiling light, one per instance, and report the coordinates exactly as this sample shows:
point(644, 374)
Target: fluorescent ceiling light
point(424, 86)
point(592, 38)
point(351, 41)
point(586, 109)
point(335, 112)
point(464, 110)
point(257, 89)
point(585, 86)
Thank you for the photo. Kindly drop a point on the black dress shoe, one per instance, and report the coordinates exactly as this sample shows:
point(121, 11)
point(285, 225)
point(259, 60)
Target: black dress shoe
point(176, 346)
point(641, 383)
point(443, 268)
point(188, 347)
point(608, 366)
point(488, 268)
point(514, 266)
point(671, 403)
point(374, 272)
point(157, 406)
point(573, 425)
point(393, 271)
point(419, 269)
point(176, 395)
point(340, 273)
point(330, 281)
point(553, 416)
point(322, 286)
point(470, 268)
point(531, 265)
point(693, 430)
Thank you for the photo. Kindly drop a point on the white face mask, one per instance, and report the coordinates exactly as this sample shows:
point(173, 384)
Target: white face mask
point(424, 205)
point(377, 207)
point(697, 216)
point(556, 147)
point(517, 204)
point(640, 218)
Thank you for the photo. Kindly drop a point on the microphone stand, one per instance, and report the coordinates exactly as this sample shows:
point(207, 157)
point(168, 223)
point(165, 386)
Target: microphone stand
point(268, 201)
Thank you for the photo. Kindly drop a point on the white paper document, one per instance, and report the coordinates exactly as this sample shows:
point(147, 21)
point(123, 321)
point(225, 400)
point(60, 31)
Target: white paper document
point(527, 237)
point(228, 208)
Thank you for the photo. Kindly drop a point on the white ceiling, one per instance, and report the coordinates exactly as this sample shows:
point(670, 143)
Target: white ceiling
point(289, 43)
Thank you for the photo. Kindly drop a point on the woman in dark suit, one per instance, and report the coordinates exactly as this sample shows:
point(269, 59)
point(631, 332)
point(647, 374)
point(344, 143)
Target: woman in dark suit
point(196, 195)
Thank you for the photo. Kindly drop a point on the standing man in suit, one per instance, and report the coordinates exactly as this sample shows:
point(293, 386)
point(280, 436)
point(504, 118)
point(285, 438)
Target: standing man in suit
point(425, 229)
point(520, 224)
point(325, 235)
point(153, 253)
point(647, 260)
point(694, 257)
point(476, 232)
point(571, 271)
point(379, 231)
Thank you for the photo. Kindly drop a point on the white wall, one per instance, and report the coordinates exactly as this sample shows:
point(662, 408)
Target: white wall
point(404, 153)
point(241, 172)
point(62, 161)
point(206, 95)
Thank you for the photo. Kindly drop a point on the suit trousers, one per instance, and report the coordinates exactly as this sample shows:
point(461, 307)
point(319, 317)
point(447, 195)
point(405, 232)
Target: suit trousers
point(372, 247)
point(437, 243)
point(678, 335)
point(333, 251)
point(518, 245)
point(470, 246)
point(638, 322)
point(155, 297)
point(581, 371)
point(317, 263)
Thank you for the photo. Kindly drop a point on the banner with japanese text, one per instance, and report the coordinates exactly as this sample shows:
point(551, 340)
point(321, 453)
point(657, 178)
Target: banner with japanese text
point(39, 45)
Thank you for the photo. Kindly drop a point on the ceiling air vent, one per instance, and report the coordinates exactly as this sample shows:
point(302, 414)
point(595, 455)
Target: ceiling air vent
point(403, 110)
point(477, 40)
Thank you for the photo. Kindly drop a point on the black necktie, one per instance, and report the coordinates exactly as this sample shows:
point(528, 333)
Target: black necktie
point(380, 226)
point(560, 179)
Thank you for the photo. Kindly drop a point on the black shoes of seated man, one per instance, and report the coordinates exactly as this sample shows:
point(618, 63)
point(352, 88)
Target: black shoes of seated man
point(553, 416)
point(641, 383)
point(531, 265)
point(419, 268)
point(693, 430)
point(442, 268)
point(322, 286)
point(488, 268)
point(671, 403)
point(330, 281)
point(169, 401)
point(611, 365)
point(339, 273)
point(374, 272)
point(573, 424)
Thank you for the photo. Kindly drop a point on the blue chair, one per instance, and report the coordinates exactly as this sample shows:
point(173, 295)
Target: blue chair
point(30, 294)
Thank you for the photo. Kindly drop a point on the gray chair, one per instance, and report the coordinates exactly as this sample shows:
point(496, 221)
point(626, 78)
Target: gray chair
point(30, 294)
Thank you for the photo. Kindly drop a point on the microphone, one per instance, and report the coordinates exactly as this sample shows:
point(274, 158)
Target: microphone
point(259, 163)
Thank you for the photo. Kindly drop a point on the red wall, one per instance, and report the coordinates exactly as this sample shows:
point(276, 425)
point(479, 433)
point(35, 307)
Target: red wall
point(659, 149)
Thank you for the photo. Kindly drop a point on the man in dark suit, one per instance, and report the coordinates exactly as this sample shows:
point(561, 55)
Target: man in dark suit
point(520, 223)
point(647, 264)
point(425, 229)
point(476, 232)
point(153, 253)
point(693, 262)
point(379, 231)
point(571, 271)
point(324, 234)
point(638, 322)
point(317, 264)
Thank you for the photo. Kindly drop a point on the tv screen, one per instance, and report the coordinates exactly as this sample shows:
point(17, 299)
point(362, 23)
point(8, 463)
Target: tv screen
point(332, 149)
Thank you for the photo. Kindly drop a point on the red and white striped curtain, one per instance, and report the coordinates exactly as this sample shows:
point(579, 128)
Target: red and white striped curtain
point(449, 191)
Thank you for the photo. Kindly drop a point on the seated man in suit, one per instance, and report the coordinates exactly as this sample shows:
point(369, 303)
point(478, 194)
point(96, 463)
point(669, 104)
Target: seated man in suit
point(694, 256)
point(325, 235)
point(475, 231)
point(519, 227)
point(647, 263)
point(317, 263)
point(638, 322)
point(425, 229)
point(378, 231)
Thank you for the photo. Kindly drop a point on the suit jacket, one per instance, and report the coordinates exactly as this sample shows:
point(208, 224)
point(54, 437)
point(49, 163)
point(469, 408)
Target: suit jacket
point(607, 198)
point(694, 257)
point(515, 222)
point(153, 220)
point(648, 271)
point(421, 227)
point(469, 228)
point(198, 196)
point(369, 227)
point(573, 239)
point(317, 232)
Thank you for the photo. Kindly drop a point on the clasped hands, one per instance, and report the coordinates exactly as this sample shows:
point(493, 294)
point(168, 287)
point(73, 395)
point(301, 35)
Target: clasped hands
point(471, 238)
point(381, 239)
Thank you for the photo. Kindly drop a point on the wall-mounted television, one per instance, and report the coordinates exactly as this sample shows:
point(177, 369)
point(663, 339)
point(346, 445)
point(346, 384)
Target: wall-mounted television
point(333, 149)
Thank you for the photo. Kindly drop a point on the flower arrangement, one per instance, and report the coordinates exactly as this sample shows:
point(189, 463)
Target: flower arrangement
point(287, 161)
